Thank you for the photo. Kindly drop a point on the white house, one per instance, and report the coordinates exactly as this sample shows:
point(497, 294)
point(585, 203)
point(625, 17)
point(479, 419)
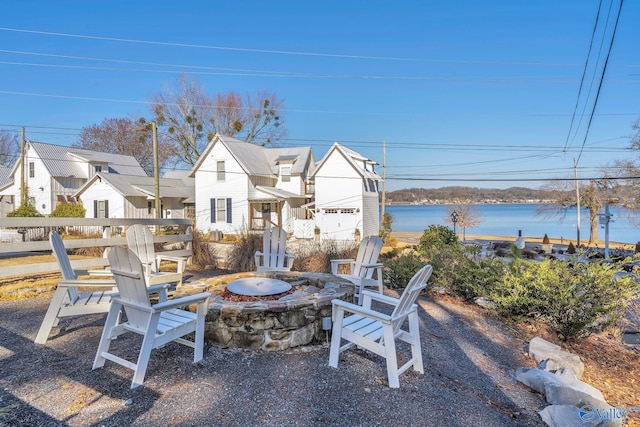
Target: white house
point(53, 173)
point(6, 203)
point(108, 195)
point(240, 186)
point(346, 195)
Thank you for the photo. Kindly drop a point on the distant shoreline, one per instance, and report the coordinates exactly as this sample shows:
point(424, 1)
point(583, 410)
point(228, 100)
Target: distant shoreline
point(413, 237)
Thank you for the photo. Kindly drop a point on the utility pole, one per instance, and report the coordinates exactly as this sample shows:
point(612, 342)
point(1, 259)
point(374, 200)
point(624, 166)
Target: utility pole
point(156, 172)
point(23, 183)
point(384, 174)
point(575, 172)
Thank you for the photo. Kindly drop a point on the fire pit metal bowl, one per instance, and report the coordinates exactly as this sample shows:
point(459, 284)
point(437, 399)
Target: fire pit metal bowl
point(293, 319)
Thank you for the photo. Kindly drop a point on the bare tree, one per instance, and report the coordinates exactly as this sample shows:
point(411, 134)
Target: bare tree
point(124, 136)
point(466, 215)
point(563, 196)
point(9, 149)
point(191, 117)
point(185, 111)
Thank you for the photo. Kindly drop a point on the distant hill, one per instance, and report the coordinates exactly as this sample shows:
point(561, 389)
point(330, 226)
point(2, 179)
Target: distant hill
point(425, 196)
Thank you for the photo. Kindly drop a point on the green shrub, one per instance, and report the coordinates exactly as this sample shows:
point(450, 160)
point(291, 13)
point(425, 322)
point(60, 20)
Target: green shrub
point(69, 210)
point(27, 210)
point(436, 236)
point(399, 270)
point(574, 300)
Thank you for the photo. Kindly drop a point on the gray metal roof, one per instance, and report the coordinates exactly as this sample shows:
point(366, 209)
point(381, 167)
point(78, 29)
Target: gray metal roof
point(250, 156)
point(261, 161)
point(134, 185)
point(60, 160)
point(302, 156)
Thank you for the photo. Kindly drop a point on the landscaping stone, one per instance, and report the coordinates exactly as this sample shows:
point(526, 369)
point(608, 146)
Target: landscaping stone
point(552, 358)
point(573, 402)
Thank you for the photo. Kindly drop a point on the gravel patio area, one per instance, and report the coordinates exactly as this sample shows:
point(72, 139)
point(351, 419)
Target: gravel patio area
point(468, 357)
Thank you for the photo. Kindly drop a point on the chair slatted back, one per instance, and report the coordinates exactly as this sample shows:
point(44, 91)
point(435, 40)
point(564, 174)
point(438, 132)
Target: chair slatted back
point(140, 241)
point(417, 283)
point(129, 276)
point(60, 252)
point(368, 253)
point(274, 247)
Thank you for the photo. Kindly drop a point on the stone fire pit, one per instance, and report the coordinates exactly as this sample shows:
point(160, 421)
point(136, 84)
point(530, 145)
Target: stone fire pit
point(292, 320)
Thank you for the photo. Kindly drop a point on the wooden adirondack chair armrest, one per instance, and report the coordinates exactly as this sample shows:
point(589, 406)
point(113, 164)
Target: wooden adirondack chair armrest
point(173, 258)
point(368, 296)
point(356, 309)
point(88, 283)
point(335, 263)
point(376, 265)
point(103, 272)
point(182, 301)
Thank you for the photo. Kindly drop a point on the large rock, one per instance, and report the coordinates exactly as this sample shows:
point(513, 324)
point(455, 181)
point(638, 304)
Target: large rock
point(551, 357)
point(561, 390)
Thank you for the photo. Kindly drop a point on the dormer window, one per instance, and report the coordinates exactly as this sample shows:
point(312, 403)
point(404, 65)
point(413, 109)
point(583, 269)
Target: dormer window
point(98, 168)
point(285, 173)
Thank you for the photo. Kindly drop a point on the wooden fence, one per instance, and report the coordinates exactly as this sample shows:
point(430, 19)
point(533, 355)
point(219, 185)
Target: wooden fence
point(34, 239)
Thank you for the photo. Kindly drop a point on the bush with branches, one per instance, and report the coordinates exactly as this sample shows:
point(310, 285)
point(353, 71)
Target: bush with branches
point(69, 210)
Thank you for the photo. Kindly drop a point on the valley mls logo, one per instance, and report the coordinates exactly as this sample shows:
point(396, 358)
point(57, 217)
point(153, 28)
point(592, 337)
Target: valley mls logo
point(589, 413)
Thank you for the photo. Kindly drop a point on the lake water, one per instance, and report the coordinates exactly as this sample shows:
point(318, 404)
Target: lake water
point(507, 219)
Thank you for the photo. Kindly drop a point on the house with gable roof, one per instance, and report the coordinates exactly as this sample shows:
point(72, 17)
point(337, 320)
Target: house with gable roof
point(108, 195)
point(346, 195)
point(242, 186)
point(54, 173)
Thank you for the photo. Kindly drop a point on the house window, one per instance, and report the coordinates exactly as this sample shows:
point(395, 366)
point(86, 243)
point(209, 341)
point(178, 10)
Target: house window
point(101, 209)
point(98, 168)
point(220, 170)
point(372, 185)
point(150, 207)
point(32, 170)
point(285, 171)
point(221, 210)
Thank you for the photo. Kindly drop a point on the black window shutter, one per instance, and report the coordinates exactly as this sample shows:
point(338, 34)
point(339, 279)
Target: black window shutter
point(229, 210)
point(106, 209)
point(213, 210)
point(95, 209)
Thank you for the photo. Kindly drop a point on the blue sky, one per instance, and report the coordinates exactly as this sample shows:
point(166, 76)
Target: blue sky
point(462, 91)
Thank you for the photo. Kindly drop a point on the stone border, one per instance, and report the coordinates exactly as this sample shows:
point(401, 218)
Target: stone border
point(291, 321)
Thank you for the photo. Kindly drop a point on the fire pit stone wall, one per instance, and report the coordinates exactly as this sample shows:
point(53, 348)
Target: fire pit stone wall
point(292, 320)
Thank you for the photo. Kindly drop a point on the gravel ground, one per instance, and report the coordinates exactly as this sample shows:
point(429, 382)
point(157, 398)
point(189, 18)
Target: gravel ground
point(468, 358)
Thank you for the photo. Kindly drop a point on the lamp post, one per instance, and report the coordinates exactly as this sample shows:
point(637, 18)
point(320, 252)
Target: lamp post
point(454, 220)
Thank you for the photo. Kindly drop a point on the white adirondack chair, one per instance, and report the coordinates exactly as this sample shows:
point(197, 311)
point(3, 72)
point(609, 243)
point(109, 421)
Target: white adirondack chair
point(158, 324)
point(140, 241)
point(67, 300)
point(377, 332)
point(274, 256)
point(362, 268)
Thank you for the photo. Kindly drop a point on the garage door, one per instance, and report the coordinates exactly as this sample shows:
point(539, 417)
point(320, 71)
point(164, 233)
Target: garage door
point(339, 224)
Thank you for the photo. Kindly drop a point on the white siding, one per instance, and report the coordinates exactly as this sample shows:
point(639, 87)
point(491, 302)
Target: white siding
point(235, 186)
point(100, 190)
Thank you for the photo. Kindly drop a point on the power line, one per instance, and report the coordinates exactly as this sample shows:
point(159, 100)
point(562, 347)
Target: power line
point(273, 51)
point(584, 72)
point(604, 70)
